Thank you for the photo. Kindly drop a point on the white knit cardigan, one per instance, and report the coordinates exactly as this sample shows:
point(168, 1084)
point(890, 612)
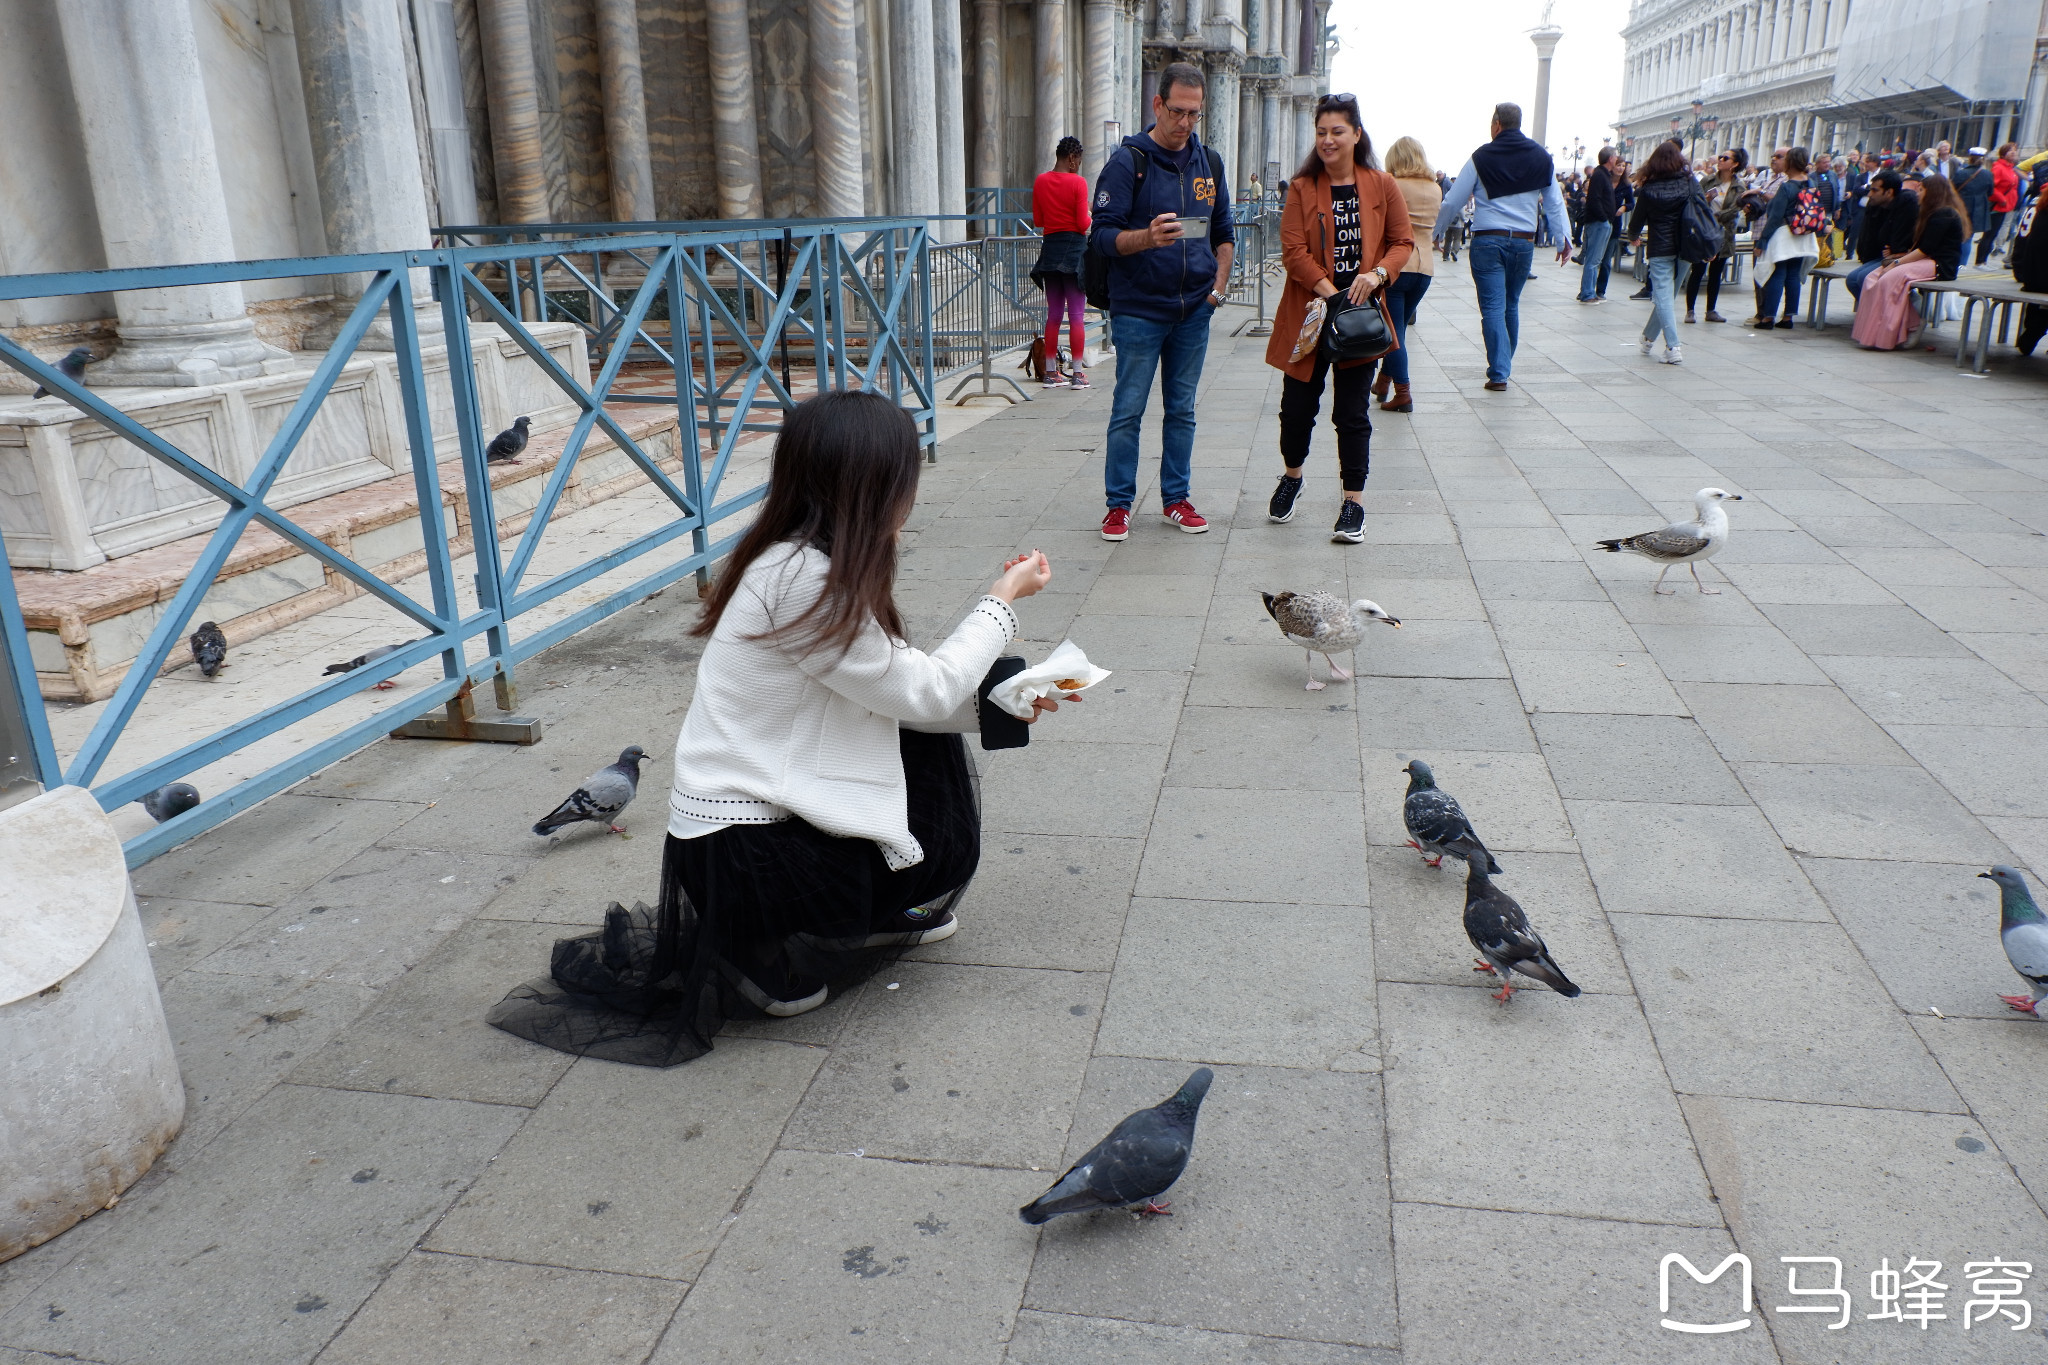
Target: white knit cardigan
point(774, 731)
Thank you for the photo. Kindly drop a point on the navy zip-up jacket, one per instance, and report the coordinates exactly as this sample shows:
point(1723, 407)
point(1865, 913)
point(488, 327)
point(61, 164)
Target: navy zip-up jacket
point(1168, 283)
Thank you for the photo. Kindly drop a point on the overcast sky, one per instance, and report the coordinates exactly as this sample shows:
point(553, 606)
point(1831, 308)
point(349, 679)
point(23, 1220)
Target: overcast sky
point(1433, 70)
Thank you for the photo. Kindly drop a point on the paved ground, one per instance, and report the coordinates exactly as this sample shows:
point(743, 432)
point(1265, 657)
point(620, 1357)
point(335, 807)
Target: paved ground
point(1747, 823)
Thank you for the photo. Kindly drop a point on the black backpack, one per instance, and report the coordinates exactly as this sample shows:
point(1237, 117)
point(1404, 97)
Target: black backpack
point(1095, 265)
point(1699, 232)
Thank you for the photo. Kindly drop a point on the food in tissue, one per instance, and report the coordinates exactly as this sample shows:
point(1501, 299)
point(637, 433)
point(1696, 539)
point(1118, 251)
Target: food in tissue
point(1066, 669)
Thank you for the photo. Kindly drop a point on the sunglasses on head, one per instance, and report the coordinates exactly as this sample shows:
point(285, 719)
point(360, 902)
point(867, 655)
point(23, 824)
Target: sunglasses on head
point(1329, 101)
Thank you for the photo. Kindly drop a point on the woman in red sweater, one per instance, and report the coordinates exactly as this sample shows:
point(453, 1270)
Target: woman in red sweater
point(2005, 197)
point(1059, 206)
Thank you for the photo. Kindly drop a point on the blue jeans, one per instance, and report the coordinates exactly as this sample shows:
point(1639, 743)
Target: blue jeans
point(1859, 275)
point(1500, 267)
point(1783, 283)
point(1663, 299)
point(1404, 299)
point(1593, 278)
point(1143, 346)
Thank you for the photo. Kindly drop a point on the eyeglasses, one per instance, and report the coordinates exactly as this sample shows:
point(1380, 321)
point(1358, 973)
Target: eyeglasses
point(1346, 98)
point(1179, 115)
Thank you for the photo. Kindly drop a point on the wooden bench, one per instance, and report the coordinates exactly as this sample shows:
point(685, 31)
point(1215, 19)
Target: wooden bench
point(1819, 281)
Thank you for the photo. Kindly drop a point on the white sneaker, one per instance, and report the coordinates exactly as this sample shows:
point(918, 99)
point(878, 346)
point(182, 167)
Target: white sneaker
point(1673, 355)
point(1643, 344)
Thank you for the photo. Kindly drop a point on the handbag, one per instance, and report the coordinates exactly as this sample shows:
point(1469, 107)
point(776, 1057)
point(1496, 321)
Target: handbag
point(1359, 332)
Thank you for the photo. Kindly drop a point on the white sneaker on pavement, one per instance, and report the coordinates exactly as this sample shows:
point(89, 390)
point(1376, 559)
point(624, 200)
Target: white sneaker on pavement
point(1673, 355)
point(1643, 344)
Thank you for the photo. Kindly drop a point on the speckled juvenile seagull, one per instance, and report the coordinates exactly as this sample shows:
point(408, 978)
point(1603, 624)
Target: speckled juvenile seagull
point(1683, 542)
point(1321, 623)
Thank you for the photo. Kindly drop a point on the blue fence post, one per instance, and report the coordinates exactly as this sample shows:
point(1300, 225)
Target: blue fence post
point(25, 693)
point(689, 441)
point(476, 472)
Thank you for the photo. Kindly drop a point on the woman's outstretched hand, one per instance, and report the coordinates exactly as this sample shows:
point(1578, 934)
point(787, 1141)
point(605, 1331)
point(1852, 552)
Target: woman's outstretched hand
point(1022, 576)
point(1041, 705)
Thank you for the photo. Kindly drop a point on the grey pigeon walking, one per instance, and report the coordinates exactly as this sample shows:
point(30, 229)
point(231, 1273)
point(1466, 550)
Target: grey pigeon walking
point(72, 367)
point(169, 802)
point(1436, 822)
point(2025, 934)
point(1683, 542)
point(209, 648)
point(608, 791)
point(363, 660)
point(1500, 931)
point(1135, 1164)
point(506, 445)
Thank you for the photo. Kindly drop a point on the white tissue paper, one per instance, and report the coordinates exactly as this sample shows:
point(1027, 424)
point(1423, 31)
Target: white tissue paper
point(1065, 664)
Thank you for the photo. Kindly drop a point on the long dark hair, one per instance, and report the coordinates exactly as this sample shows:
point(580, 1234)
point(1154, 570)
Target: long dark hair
point(1936, 194)
point(843, 482)
point(1667, 160)
point(1361, 154)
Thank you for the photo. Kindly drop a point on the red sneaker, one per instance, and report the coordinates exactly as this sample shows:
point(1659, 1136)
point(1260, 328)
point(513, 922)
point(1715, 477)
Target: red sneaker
point(1117, 525)
point(1184, 515)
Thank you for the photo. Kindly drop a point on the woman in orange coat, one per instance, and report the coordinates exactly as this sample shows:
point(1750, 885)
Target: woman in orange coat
point(1344, 232)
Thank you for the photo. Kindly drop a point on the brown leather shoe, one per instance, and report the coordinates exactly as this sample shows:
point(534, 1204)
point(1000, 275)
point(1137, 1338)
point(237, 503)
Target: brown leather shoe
point(1493, 387)
point(1379, 386)
point(1399, 402)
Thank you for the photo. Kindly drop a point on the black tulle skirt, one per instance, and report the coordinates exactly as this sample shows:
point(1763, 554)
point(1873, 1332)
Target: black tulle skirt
point(651, 987)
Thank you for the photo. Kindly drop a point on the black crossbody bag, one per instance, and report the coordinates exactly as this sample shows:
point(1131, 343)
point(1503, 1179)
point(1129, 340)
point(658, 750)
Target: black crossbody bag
point(1355, 331)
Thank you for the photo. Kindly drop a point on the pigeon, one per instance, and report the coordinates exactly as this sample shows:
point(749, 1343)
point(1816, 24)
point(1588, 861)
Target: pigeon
point(169, 802)
point(363, 659)
point(209, 648)
point(1322, 624)
point(1683, 542)
point(1436, 822)
point(1501, 932)
point(506, 445)
point(602, 796)
point(72, 367)
point(1135, 1164)
point(2025, 933)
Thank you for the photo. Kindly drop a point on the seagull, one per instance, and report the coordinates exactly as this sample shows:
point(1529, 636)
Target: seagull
point(1436, 822)
point(1500, 931)
point(1135, 1164)
point(2025, 934)
point(72, 367)
point(169, 802)
point(209, 648)
point(506, 445)
point(368, 657)
point(1321, 624)
point(1683, 542)
point(602, 796)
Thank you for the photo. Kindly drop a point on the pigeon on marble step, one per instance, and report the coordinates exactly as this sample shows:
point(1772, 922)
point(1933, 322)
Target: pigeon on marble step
point(506, 445)
point(169, 802)
point(209, 648)
point(1436, 822)
point(1322, 623)
point(607, 792)
point(363, 660)
point(2025, 933)
point(1500, 931)
point(1683, 542)
point(1135, 1164)
point(72, 367)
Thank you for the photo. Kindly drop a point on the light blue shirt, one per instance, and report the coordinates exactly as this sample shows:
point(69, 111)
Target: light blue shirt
point(1513, 213)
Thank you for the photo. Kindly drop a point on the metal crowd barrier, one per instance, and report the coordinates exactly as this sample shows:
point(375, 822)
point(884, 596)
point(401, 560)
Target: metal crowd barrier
point(856, 296)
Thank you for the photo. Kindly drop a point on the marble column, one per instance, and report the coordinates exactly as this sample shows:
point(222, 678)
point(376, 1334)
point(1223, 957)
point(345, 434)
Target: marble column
point(1304, 125)
point(1249, 163)
point(913, 90)
point(513, 95)
point(433, 24)
point(1219, 110)
point(1271, 139)
point(365, 149)
point(1049, 61)
point(735, 143)
point(988, 93)
point(625, 111)
point(833, 83)
point(156, 182)
point(1099, 106)
point(1546, 43)
point(949, 82)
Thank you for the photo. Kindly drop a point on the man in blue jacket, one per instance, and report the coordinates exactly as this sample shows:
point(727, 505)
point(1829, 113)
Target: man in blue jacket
point(1163, 286)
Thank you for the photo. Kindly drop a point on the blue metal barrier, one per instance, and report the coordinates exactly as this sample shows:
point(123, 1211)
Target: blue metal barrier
point(858, 293)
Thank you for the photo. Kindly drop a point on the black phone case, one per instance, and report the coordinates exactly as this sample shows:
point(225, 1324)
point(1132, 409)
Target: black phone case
point(1000, 729)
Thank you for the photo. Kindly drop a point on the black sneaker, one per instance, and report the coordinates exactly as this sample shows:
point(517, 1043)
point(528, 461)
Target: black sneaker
point(1638, 297)
point(906, 929)
point(1350, 523)
point(1281, 508)
point(774, 989)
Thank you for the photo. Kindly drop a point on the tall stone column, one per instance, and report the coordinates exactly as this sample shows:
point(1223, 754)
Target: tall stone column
point(1546, 44)
point(625, 111)
point(1249, 163)
point(1304, 125)
point(513, 95)
point(735, 143)
point(365, 149)
point(1271, 138)
point(1049, 60)
point(1099, 103)
point(447, 117)
point(1219, 111)
point(834, 87)
point(156, 181)
point(913, 90)
point(947, 79)
point(988, 93)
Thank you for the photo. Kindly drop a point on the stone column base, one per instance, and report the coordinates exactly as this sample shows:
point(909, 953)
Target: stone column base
point(188, 355)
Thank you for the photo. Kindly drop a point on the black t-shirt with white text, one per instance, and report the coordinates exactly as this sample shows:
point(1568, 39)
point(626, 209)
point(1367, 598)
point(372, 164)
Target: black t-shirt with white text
point(1346, 240)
